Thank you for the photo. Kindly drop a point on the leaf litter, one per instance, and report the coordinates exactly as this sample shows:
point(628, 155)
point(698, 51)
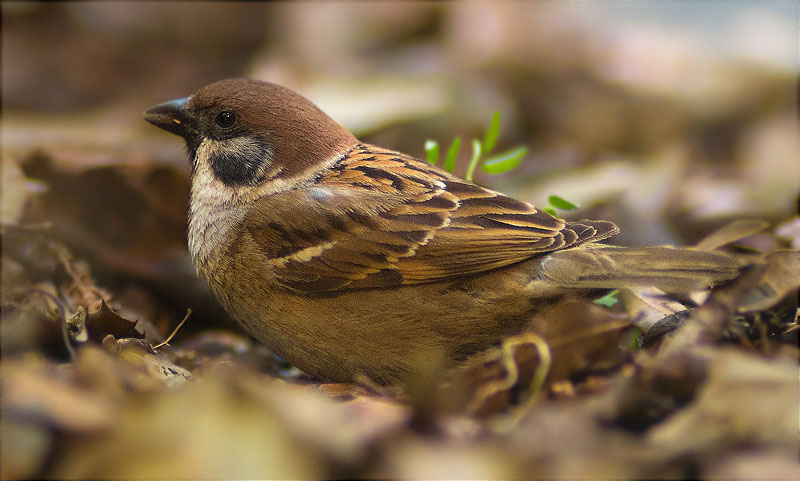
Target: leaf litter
point(655, 386)
point(576, 386)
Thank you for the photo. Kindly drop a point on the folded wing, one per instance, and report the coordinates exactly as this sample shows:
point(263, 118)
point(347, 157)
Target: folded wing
point(383, 219)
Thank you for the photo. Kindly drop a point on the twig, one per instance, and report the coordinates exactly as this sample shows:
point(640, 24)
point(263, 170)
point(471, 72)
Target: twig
point(175, 331)
point(506, 423)
point(76, 278)
point(41, 227)
point(63, 316)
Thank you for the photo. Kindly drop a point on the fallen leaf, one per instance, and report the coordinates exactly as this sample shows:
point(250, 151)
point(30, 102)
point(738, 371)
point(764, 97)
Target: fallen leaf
point(200, 430)
point(708, 322)
point(568, 440)
point(581, 335)
point(98, 371)
point(350, 427)
point(14, 192)
point(25, 449)
point(578, 334)
point(731, 407)
point(782, 276)
point(76, 325)
point(657, 386)
point(731, 233)
point(761, 463)
point(38, 394)
point(647, 306)
point(412, 458)
point(169, 373)
point(104, 321)
point(790, 231)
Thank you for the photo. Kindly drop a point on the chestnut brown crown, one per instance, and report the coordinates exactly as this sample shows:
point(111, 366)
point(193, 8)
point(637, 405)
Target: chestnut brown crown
point(252, 131)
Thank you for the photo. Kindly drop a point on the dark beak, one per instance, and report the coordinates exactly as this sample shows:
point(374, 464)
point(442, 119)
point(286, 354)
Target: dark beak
point(173, 117)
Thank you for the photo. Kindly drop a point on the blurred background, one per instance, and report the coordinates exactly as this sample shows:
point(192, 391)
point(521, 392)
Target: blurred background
point(669, 118)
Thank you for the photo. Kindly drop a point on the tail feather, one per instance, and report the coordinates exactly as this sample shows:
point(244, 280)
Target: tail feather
point(670, 269)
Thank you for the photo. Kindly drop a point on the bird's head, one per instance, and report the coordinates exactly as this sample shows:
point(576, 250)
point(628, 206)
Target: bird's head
point(248, 133)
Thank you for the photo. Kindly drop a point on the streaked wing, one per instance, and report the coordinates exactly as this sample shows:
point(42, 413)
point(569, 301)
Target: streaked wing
point(381, 219)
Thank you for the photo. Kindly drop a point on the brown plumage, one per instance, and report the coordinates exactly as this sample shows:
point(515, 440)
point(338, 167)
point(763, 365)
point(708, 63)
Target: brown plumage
point(398, 221)
point(347, 259)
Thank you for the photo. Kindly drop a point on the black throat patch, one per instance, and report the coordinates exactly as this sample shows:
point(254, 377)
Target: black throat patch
point(240, 160)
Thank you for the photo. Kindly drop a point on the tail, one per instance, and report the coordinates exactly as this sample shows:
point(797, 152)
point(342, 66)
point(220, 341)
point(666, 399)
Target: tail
point(670, 269)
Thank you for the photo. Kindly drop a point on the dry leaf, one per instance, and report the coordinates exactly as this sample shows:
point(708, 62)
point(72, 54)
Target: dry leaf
point(708, 322)
point(38, 394)
point(658, 386)
point(169, 373)
point(95, 326)
point(342, 430)
point(732, 408)
point(76, 325)
point(790, 231)
point(412, 458)
point(25, 448)
point(782, 276)
point(568, 440)
point(98, 371)
point(14, 191)
point(647, 306)
point(579, 335)
point(731, 233)
point(761, 463)
point(104, 321)
point(201, 430)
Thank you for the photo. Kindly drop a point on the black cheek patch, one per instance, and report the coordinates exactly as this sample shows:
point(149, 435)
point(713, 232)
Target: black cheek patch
point(241, 162)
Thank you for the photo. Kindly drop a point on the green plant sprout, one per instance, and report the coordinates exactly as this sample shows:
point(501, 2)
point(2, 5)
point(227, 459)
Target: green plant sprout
point(497, 164)
point(452, 153)
point(432, 151)
point(555, 202)
point(608, 300)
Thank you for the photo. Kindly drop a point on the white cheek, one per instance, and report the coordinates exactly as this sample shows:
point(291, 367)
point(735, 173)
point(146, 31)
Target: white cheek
point(213, 212)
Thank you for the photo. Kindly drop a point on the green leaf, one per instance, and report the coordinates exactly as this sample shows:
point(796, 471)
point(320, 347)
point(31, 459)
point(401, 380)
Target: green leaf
point(634, 346)
point(551, 211)
point(608, 300)
point(432, 149)
point(492, 133)
point(561, 203)
point(504, 162)
point(452, 153)
point(476, 157)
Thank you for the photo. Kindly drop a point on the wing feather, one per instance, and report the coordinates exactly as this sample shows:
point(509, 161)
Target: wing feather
point(389, 220)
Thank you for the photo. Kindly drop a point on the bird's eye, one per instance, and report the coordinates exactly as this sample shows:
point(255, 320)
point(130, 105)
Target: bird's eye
point(226, 119)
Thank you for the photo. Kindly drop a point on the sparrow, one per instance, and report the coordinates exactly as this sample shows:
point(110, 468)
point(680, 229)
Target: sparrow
point(348, 259)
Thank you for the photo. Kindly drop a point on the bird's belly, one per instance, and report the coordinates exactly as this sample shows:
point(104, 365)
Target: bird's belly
point(381, 333)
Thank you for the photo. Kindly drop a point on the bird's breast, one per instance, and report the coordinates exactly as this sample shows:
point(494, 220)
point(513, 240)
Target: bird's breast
point(213, 227)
